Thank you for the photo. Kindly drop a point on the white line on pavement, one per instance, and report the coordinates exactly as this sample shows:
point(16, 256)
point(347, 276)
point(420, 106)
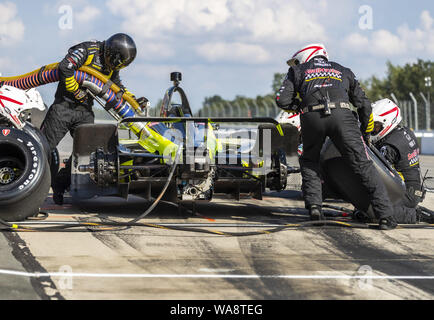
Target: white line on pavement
point(215, 276)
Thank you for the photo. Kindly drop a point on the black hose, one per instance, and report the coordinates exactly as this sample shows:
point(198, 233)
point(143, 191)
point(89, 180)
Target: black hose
point(169, 179)
point(112, 225)
point(431, 212)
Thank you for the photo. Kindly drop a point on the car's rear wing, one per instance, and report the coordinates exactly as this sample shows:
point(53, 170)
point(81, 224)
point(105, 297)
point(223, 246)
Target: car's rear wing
point(206, 120)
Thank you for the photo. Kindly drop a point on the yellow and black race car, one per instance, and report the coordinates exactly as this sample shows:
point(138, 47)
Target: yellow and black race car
point(176, 156)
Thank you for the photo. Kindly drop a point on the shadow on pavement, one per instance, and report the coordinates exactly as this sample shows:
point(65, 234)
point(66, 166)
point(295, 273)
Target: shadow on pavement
point(277, 207)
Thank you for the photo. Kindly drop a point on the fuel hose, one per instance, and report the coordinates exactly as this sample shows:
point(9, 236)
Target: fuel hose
point(50, 73)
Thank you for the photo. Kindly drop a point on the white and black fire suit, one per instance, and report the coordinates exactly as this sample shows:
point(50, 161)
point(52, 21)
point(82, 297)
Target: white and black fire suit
point(320, 83)
point(401, 149)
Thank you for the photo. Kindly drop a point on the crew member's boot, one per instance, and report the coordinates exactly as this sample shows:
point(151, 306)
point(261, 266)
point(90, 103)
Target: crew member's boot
point(424, 215)
point(58, 191)
point(62, 182)
point(315, 213)
point(388, 223)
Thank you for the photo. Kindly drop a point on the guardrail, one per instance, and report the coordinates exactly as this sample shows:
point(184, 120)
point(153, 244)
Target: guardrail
point(426, 141)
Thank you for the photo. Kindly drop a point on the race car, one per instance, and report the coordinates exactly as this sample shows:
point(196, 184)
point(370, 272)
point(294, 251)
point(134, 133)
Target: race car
point(180, 157)
point(185, 158)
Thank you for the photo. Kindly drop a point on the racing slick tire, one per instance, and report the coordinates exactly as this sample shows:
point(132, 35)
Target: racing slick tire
point(24, 174)
point(38, 136)
point(342, 183)
point(288, 142)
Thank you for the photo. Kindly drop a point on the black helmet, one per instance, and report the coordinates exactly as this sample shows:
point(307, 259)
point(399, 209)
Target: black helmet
point(119, 51)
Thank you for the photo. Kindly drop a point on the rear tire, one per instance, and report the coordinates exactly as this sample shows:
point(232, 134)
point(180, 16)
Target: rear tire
point(24, 175)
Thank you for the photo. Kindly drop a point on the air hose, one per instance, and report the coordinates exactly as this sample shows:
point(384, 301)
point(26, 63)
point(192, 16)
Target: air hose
point(50, 73)
point(123, 104)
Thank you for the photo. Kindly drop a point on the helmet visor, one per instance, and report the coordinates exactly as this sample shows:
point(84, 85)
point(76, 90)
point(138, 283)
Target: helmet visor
point(293, 62)
point(115, 62)
point(378, 127)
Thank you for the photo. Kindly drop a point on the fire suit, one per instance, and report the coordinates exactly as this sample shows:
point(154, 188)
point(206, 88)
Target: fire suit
point(325, 89)
point(67, 112)
point(401, 149)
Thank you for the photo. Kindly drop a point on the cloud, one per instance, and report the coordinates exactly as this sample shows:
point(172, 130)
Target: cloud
point(151, 19)
point(88, 14)
point(11, 28)
point(420, 39)
point(4, 64)
point(259, 19)
point(386, 43)
point(246, 26)
point(404, 41)
point(426, 20)
point(271, 21)
point(150, 50)
point(233, 52)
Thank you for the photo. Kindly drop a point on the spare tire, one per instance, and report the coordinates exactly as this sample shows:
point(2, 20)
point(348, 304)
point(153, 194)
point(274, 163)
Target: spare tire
point(24, 175)
point(340, 179)
point(288, 142)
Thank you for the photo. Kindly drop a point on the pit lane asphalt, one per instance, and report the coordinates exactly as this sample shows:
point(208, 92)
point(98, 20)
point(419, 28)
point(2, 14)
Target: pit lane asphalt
point(152, 263)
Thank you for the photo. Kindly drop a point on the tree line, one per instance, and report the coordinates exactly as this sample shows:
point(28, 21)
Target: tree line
point(399, 80)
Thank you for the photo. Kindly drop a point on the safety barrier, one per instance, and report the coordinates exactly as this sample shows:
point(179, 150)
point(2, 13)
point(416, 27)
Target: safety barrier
point(426, 142)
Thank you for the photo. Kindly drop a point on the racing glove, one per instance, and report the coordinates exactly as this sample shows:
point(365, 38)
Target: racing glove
point(367, 129)
point(366, 122)
point(80, 95)
point(370, 125)
point(367, 138)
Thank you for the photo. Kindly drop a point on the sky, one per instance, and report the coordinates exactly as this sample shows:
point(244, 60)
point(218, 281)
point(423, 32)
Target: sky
point(222, 47)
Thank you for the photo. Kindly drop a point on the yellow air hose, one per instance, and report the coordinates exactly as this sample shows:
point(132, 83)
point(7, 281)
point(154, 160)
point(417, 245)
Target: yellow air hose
point(35, 79)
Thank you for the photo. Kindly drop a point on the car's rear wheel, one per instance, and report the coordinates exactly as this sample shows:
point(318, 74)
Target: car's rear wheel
point(24, 175)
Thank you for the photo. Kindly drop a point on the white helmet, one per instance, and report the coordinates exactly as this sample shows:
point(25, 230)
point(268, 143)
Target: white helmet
point(308, 52)
point(387, 116)
point(291, 118)
point(294, 119)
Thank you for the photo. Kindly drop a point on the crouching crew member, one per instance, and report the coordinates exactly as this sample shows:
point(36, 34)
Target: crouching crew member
point(399, 146)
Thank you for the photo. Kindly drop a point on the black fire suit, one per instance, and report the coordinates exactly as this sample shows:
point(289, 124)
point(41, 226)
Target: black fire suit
point(67, 113)
point(320, 83)
point(401, 149)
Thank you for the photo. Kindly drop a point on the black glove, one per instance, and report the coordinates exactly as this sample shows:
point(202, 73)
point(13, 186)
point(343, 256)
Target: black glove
point(294, 107)
point(143, 103)
point(80, 95)
point(367, 138)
